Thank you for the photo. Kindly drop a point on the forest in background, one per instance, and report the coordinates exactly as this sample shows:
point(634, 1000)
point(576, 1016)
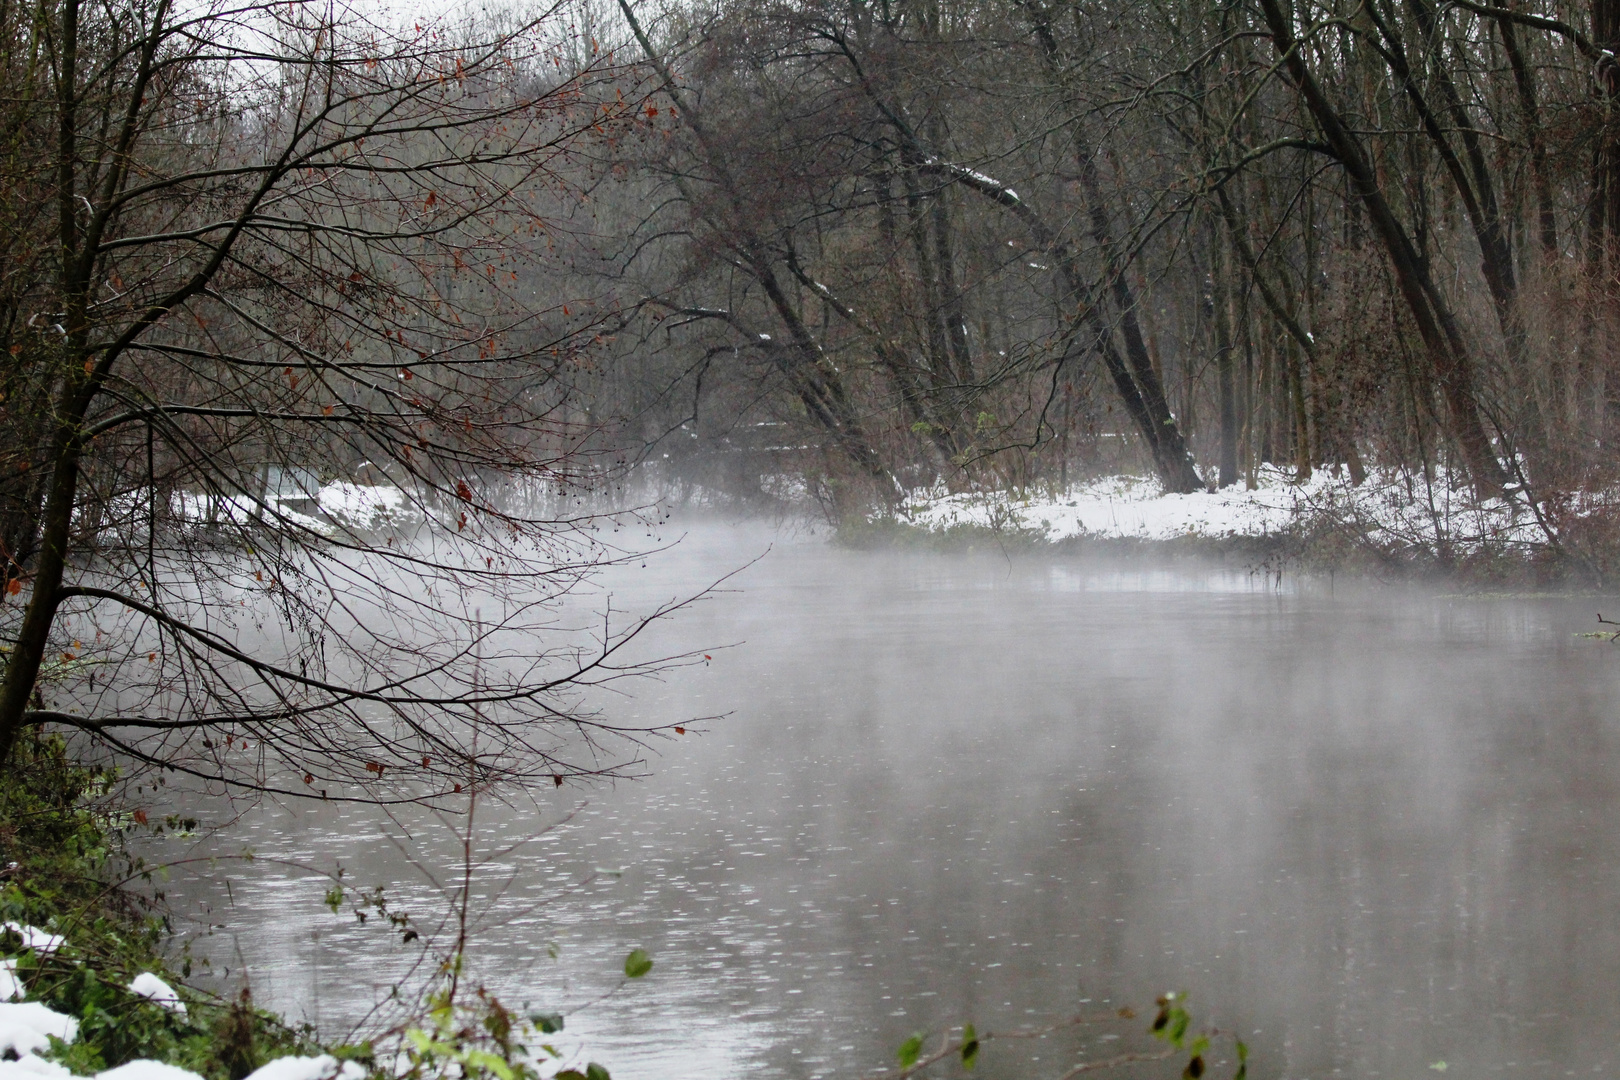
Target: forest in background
point(892, 245)
point(861, 249)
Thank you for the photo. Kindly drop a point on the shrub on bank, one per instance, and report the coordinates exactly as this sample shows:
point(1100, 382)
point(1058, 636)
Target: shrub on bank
point(87, 950)
point(1393, 525)
point(86, 988)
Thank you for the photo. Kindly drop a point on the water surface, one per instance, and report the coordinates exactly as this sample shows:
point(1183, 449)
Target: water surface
point(1371, 829)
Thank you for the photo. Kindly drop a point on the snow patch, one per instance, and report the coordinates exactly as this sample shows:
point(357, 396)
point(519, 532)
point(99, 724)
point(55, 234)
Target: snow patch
point(1390, 507)
point(41, 941)
point(324, 1067)
point(11, 987)
point(364, 506)
point(27, 1027)
point(147, 1070)
point(343, 503)
point(155, 990)
point(32, 1067)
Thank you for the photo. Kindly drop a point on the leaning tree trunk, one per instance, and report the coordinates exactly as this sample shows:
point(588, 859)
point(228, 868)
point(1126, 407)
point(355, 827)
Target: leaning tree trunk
point(1171, 456)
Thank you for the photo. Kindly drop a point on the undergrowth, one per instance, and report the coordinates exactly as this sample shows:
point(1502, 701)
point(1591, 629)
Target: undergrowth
point(1320, 543)
point(62, 846)
point(960, 538)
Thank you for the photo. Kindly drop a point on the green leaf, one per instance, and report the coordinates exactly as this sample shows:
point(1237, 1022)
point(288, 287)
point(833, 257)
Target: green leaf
point(909, 1050)
point(548, 1023)
point(1242, 1051)
point(970, 1047)
point(1199, 1046)
point(637, 964)
point(593, 1071)
point(427, 1044)
point(570, 1074)
point(483, 1059)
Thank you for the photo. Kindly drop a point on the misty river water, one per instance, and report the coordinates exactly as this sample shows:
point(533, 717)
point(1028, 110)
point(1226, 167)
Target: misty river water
point(1371, 829)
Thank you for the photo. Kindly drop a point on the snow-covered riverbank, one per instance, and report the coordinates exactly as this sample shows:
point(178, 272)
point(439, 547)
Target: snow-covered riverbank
point(1389, 509)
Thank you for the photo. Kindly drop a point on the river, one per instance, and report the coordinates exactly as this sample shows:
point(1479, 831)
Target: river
point(1373, 830)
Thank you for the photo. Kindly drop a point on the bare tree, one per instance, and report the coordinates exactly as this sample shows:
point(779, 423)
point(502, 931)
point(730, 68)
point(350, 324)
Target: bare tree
point(254, 249)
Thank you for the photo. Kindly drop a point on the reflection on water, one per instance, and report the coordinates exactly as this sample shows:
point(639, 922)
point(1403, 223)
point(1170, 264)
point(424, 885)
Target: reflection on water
point(1374, 829)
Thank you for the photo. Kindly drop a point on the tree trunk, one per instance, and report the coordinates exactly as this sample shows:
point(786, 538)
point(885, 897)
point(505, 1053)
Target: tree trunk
point(1174, 460)
point(1442, 339)
point(1225, 360)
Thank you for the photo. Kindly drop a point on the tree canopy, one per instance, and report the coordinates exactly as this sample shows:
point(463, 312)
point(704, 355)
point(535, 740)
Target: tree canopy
point(253, 251)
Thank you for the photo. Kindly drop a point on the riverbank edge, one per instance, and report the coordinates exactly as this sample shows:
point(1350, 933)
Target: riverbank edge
point(1310, 545)
point(884, 532)
point(92, 987)
point(83, 921)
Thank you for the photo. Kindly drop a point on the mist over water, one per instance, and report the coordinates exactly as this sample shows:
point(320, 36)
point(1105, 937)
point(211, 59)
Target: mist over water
point(1371, 829)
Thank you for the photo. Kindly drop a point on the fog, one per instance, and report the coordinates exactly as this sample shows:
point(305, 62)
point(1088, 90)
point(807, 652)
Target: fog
point(1369, 828)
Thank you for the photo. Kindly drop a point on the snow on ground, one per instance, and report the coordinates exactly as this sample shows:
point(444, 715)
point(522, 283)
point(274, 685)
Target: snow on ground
point(338, 504)
point(27, 1027)
point(147, 1070)
point(365, 506)
point(324, 1067)
point(41, 941)
point(11, 987)
point(154, 989)
point(356, 506)
point(31, 1067)
point(1389, 507)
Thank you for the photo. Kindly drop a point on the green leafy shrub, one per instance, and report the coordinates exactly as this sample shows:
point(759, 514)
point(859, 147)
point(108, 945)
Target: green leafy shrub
point(62, 846)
